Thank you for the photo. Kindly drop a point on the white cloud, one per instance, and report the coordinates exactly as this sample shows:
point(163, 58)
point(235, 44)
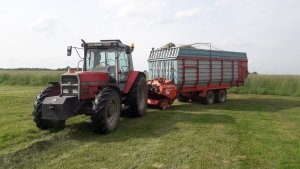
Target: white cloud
point(135, 12)
point(111, 3)
point(220, 2)
point(188, 13)
point(266, 30)
point(45, 23)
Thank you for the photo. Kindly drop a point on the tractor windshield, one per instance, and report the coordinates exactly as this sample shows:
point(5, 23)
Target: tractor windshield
point(99, 60)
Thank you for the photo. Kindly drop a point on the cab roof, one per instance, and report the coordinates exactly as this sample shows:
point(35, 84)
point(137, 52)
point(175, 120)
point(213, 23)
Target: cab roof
point(105, 44)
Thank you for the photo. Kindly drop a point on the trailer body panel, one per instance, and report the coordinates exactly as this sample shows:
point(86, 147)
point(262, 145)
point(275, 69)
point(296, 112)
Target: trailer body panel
point(198, 68)
point(193, 74)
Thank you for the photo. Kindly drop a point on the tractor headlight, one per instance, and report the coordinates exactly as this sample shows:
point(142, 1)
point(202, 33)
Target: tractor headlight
point(65, 91)
point(75, 91)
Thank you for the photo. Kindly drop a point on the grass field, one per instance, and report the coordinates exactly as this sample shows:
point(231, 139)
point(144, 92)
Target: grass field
point(249, 131)
point(283, 85)
point(27, 77)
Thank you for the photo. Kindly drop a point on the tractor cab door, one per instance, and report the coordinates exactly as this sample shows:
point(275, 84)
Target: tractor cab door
point(124, 69)
point(110, 63)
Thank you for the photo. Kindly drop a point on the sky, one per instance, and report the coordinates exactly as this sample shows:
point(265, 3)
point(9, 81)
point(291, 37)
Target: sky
point(36, 33)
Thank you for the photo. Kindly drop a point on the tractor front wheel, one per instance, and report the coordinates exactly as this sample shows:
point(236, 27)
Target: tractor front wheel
point(107, 110)
point(44, 124)
point(138, 96)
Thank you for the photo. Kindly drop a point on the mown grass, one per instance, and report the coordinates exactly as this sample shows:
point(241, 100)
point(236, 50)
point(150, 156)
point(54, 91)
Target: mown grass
point(23, 77)
point(249, 131)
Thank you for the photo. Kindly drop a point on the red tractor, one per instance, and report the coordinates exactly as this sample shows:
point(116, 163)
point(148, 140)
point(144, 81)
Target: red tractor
point(105, 87)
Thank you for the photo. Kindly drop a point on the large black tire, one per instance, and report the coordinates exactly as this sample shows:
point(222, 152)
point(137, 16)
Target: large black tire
point(181, 98)
point(43, 124)
point(137, 97)
point(107, 111)
point(210, 98)
point(221, 96)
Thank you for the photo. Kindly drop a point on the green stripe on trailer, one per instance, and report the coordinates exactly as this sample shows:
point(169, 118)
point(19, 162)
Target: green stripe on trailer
point(202, 53)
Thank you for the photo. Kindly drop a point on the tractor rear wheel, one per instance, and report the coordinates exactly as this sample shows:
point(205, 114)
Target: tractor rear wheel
point(221, 96)
point(137, 97)
point(44, 124)
point(107, 110)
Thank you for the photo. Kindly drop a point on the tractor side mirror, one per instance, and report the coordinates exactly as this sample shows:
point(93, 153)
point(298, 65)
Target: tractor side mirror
point(69, 51)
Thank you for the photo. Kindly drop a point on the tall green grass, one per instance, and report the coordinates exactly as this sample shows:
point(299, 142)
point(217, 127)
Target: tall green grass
point(285, 85)
point(24, 77)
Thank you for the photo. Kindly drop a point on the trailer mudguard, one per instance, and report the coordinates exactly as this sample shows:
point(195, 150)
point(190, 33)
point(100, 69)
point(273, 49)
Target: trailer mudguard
point(59, 107)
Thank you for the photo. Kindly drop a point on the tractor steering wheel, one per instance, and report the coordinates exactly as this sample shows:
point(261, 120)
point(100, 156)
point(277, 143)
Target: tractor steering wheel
point(100, 67)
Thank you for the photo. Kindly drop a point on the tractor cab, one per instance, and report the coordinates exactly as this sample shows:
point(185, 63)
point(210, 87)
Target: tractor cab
point(111, 56)
point(109, 60)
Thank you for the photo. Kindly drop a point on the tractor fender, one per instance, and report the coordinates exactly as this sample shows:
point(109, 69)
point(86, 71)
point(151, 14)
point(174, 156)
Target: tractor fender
point(131, 78)
point(111, 86)
point(54, 83)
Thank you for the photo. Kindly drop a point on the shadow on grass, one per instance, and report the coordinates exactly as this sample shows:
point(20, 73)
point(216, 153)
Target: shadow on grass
point(18, 158)
point(155, 124)
point(158, 123)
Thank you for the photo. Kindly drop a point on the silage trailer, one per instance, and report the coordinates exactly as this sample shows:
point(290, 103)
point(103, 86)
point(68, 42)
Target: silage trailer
point(190, 73)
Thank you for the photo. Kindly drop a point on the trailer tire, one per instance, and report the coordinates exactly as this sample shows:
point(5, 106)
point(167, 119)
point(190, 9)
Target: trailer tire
point(44, 124)
point(210, 97)
point(221, 96)
point(137, 97)
point(107, 111)
point(181, 98)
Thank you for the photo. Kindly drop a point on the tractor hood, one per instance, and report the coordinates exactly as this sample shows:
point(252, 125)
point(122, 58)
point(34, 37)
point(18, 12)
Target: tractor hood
point(87, 83)
point(88, 78)
point(93, 78)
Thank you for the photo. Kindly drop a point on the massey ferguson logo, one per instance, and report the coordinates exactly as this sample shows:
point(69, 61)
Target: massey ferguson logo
point(53, 100)
point(167, 91)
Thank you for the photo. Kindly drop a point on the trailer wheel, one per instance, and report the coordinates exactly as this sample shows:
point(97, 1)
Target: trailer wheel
point(210, 97)
point(221, 96)
point(43, 124)
point(181, 98)
point(107, 110)
point(137, 97)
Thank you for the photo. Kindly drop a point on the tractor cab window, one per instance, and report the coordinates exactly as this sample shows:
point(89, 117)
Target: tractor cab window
point(111, 61)
point(90, 60)
point(99, 60)
point(124, 66)
point(95, 60)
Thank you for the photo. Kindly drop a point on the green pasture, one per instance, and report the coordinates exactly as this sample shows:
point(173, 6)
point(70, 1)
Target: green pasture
point(248, 131)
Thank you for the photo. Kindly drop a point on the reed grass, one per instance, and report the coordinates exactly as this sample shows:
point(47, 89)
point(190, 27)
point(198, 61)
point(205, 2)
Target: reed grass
point(284, 85)
point(30, 78)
